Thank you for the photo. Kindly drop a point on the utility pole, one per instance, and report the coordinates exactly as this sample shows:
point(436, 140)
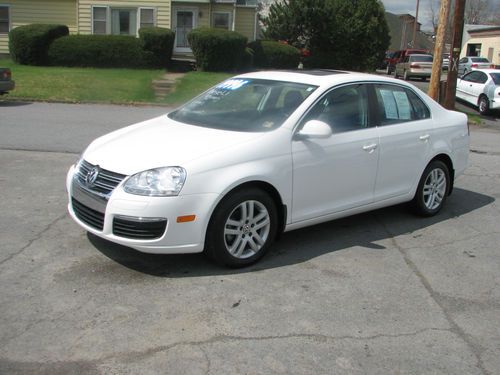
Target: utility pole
point(456, 45)
point(414, 40)
point(438, 50)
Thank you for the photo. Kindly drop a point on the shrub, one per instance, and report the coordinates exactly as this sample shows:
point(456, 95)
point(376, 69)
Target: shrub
point(29, 44)
point(275, 55)
point(159, 42)
point(217, 49)
point(100, 51)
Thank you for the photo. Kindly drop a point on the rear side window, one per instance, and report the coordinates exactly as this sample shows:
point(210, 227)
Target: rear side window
point(397, 105)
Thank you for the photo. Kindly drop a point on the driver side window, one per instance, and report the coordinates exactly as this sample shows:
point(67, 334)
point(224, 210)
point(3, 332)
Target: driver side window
point(344, 109)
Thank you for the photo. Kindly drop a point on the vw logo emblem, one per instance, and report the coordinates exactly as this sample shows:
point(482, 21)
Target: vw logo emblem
point(92, 176)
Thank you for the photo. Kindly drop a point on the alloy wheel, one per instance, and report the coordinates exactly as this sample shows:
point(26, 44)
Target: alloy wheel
point(247, 229)
point(434, 188)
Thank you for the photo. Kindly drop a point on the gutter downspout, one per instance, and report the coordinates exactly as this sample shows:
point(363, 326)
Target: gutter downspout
point(234, 17)
point(256, 23)
point(210, 14)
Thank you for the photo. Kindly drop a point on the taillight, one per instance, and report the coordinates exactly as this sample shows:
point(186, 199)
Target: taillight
point(6, 74)
point(414, 66)
point(492, 66)
point(474, 65)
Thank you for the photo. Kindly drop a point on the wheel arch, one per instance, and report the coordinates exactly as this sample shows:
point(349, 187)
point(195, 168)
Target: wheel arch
point(267, 188)
point(449, 163)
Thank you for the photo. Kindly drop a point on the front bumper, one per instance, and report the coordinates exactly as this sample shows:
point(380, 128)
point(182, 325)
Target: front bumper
point(495, 104)
point(176, 238)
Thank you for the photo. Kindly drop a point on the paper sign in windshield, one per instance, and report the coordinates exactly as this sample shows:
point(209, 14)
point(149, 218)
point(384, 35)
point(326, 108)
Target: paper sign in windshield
point(232, 84)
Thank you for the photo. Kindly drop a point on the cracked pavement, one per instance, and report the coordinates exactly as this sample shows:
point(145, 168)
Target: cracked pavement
point(379, 293)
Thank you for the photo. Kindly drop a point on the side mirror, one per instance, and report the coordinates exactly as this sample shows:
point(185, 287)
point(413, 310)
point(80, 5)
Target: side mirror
point(315, 129)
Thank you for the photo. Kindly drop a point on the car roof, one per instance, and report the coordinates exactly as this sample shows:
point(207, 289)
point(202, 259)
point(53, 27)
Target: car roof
point(318, 78)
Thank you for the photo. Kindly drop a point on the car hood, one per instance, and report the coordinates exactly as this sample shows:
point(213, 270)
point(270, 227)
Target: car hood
point(160, 142)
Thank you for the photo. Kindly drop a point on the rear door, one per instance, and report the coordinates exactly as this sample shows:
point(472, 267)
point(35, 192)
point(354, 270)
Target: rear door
point(405, 128)
point(469, 86)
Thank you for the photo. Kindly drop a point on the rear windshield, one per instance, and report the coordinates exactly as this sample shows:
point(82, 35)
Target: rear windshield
point(479, 59)
point(496, 78)
point(421, 58)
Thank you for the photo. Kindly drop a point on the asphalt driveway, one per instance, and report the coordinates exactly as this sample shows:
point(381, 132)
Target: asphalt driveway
point(378, 293)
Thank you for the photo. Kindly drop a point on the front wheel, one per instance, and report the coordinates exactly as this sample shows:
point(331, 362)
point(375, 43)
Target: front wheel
point(242, 228)
point(432, 189)
point(484, 105)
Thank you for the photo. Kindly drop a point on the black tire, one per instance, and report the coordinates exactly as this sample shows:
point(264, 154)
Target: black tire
point(254, 242)
point(483, 105)
point(430, 189)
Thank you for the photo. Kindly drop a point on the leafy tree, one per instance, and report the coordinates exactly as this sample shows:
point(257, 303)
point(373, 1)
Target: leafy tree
point(341, 34)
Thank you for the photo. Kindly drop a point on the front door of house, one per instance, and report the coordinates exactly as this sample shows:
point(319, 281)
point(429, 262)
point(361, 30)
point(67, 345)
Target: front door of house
point(184, 22)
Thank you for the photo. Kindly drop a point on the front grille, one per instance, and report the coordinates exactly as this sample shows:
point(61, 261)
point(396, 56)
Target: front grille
point(140, 229)
point(106, 180)
point(92, 218)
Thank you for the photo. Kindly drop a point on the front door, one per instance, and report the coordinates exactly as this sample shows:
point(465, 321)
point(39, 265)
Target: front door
point(184, 21)
point(337, 173)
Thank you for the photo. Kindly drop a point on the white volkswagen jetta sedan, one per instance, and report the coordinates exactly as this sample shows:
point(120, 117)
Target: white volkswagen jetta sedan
point(264, 153)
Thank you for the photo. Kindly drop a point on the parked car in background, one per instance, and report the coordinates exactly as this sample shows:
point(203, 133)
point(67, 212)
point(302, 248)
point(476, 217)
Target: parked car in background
point(468, 63)
point(398, 56)
point(6, 82)
point(263, 153)
point(419, 66)
point(446, 61)
point(481, 88)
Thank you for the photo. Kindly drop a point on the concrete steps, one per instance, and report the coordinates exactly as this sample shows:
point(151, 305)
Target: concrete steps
point(165, 85)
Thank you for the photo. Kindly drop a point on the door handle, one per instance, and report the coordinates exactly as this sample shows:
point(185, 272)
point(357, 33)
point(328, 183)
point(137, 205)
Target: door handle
point(424, 137)
point(371, 147)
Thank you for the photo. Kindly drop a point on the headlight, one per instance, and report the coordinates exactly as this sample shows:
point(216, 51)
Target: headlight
point(159, 182)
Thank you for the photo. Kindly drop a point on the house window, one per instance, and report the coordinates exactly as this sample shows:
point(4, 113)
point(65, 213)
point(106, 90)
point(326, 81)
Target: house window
point(4, 19)
point(124, 21)
point(120, 21)
point(146, 17)
point(99, 20)
point(221, 20)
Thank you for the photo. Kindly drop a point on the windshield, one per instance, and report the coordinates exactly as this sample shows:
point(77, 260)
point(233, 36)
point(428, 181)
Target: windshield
point(496, 78)
point(421, 58)
point(479, 59)
point(242, 104)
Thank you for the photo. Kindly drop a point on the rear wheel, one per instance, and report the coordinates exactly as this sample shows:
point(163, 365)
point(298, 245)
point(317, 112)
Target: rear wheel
point(432, 189)
point(483, 105)
point(242, 228)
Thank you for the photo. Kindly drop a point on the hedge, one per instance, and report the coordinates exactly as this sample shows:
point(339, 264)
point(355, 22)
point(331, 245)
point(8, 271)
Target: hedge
point(100, 51)
point(29, 44)
point(275, 55)
point(159, 42)
point(217, 49)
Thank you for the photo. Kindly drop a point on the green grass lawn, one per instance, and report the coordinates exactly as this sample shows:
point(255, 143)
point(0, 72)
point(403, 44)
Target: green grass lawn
point(192, 84)
point(82, 84)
